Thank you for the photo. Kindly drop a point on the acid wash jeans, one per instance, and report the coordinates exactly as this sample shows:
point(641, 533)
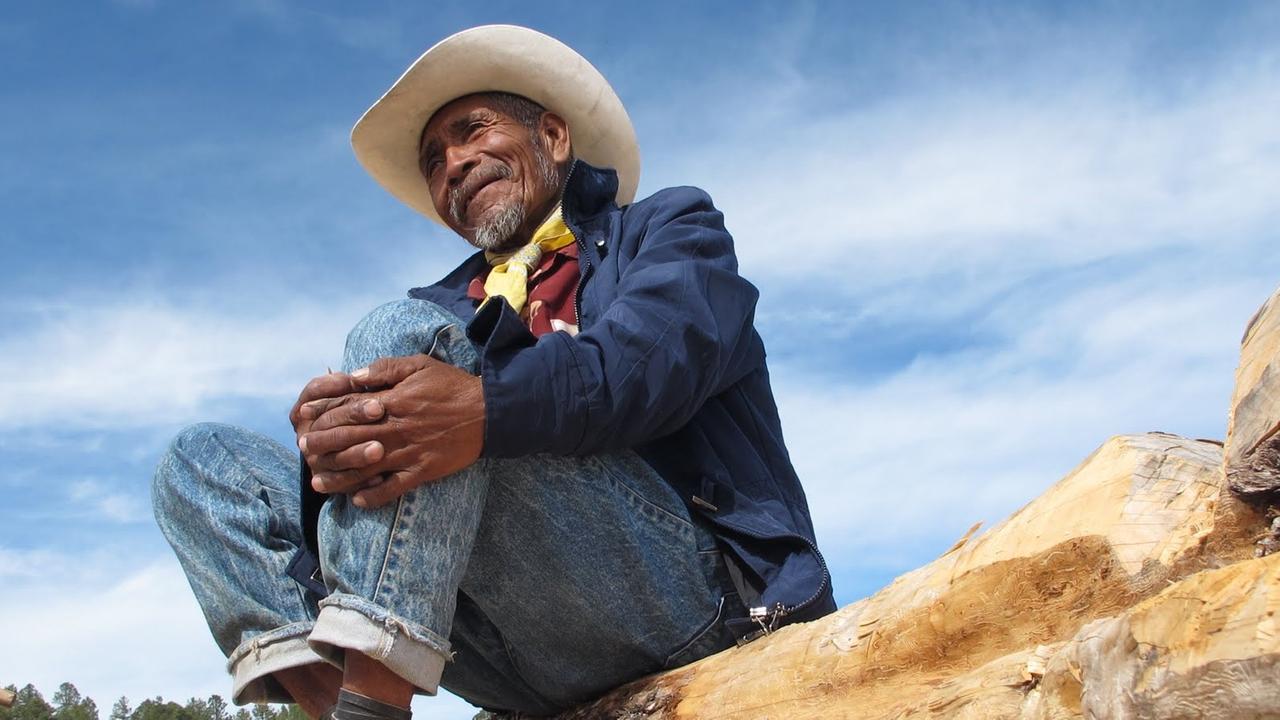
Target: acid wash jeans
point(529, 584)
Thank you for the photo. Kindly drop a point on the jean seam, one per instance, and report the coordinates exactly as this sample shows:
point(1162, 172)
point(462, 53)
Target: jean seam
point(435, 340)
point(386, 557)
point(698, 635)
point(639, 497)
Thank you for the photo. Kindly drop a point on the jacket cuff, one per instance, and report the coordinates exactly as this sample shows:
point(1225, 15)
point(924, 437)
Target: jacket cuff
point(532, 392)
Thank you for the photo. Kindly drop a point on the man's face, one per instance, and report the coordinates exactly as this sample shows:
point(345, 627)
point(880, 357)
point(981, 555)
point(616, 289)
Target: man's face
point(490, 177)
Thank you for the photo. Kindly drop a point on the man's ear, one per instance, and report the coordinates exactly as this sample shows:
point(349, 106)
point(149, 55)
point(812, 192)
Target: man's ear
point(555, 136)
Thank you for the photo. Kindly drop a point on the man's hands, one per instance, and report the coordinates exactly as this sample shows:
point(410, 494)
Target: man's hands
point(388, 428)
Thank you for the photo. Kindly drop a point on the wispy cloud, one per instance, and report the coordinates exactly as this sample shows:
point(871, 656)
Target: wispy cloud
point(137, 363)
point(998, 182)
point(94, 496)
point(901, 466)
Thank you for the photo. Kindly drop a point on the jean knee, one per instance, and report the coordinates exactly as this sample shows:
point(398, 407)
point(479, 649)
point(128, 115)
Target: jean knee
point(397, 318)
point(174, 484)
point(179, 476)
point(407, 327)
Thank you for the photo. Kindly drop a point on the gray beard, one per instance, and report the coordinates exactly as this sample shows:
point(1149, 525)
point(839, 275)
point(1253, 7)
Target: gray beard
point(496, 231)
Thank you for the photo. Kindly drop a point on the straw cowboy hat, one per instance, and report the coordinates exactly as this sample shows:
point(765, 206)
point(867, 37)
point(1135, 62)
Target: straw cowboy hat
point(504, 58)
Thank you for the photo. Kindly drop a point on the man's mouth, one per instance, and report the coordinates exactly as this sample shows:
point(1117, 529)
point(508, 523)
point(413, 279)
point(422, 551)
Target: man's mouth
point(460, 198)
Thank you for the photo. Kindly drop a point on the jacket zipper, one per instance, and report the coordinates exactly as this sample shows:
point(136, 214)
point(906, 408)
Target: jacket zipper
point(767, 618)
point(583, 253)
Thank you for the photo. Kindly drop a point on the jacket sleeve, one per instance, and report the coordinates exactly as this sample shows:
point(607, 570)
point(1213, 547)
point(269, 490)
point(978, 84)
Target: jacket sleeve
point(679, 331)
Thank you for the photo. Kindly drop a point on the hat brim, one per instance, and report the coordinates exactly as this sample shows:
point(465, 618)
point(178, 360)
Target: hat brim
point(504, 58)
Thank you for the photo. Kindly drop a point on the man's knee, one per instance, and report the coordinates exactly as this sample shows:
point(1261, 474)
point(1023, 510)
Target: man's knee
point(180, 476)
point(408, 327)
point(403, 318)
point(173, 485)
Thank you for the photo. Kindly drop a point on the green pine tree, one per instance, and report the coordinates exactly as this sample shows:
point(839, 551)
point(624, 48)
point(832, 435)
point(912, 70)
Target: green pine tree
point(159, 709)
point(28, 704)
point(121, 710)
point(217, 707)
point(69, 704)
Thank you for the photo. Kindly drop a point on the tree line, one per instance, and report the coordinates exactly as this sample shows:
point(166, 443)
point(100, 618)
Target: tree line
point(68, 704)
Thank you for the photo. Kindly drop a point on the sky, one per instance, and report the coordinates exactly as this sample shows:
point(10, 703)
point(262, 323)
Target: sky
point(988, 236)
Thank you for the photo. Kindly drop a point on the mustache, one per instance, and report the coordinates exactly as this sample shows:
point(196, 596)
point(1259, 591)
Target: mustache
point(476, 179)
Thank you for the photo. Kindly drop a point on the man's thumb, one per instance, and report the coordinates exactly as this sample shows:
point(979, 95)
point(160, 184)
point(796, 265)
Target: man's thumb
point(385, 372)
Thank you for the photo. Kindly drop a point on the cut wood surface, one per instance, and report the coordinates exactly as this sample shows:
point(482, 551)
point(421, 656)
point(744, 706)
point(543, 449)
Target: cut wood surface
point(6, 698)
point(1207, 648)
point(1127, 590)
point(1253, 427)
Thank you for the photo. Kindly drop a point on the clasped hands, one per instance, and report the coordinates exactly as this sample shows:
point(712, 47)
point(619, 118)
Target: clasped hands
point(382, 431)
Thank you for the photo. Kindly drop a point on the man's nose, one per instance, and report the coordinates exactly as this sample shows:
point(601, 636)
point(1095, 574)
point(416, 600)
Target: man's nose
point(458, 161)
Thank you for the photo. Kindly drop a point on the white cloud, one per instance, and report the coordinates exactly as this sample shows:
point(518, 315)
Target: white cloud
point(94, 497)
point(130, 363)
point(901, 467)
point(118, 627)
point(996, 182)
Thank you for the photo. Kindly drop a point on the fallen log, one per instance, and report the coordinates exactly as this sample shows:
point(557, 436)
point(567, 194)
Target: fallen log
point(1119, 528)
point(1127, 590)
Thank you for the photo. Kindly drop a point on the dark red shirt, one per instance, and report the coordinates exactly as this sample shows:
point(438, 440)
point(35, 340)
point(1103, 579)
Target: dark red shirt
point(553, 285)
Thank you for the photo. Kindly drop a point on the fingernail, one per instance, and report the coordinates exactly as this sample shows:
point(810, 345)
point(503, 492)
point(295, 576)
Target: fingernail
point(373, 408)
point(373, 450)
point(302, 443)
point(360, 374)
point(359, 501)
point(318, 483)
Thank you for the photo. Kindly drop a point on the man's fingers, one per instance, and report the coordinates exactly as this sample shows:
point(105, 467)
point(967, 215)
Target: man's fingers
point(392, 486)
point(326, 386)
point(315, 408)
point(345, 481)
point(324, 442)
point(347, 411)
point(333, 385)
point(346, 447)
point(385, 372)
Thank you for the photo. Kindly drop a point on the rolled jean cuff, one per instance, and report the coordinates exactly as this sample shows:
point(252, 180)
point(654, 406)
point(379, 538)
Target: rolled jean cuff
point(413, 652)
point(251, 665)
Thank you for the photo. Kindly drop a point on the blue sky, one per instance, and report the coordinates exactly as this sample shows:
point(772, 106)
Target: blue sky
point(988, 236)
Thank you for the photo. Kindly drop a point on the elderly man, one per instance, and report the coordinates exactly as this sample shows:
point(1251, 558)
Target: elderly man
point(555, 470)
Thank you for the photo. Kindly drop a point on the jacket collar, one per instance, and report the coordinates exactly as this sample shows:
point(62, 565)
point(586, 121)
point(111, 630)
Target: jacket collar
point(588, 191)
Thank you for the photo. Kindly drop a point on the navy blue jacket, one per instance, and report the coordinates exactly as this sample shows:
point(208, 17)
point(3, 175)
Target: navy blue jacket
point(668, 363)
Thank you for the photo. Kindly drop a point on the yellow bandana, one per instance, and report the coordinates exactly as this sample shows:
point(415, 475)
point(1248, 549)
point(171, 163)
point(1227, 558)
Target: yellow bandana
point(509, 277)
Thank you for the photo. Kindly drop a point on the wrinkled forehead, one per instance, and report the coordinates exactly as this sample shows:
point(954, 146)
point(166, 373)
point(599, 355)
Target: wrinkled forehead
point(452, 119)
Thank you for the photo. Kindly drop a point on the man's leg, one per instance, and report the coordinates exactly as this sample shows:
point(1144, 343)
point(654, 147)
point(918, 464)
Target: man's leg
point(587, 571)
point(394, 571)
point(227, 500)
